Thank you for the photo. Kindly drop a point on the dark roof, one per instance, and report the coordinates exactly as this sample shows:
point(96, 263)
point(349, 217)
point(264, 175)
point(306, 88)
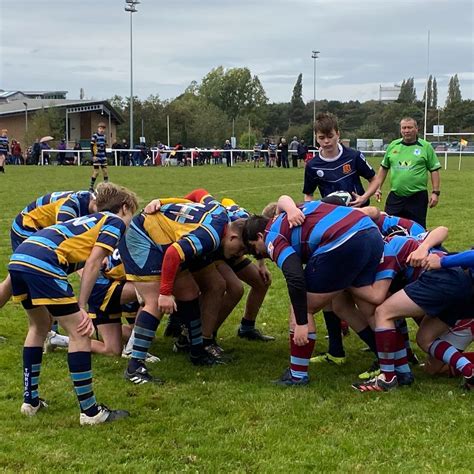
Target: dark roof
point(16, 107)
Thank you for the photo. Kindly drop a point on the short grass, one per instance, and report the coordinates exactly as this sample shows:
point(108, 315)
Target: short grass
point(230, 419)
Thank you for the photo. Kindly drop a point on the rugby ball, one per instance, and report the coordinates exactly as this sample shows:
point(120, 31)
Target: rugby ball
point(344, 197)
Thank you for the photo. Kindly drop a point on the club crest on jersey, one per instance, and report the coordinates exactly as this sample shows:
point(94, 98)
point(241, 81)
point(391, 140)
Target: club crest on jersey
point(320, 173)
point(417, 152)
point(346, 169)
point(270, 249)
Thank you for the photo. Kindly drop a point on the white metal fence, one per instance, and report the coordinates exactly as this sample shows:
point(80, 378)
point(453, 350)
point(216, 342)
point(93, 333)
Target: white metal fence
point(194, 156)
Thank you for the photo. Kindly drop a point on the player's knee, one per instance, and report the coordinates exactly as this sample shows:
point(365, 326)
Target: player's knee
point(382, 315)
point(424, 341)
point(235, 290)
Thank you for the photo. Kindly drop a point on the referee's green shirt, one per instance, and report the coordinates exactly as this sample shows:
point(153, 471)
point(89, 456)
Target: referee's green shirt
point(409, 165)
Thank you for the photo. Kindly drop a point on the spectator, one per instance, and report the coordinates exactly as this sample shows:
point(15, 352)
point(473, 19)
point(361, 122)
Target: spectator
point(301, 151)
point(264, 151)
point(272, 154)
point(283, 157)
point(409, 160)
point(77, 148)
point(36, 152)
point(4, 149)
point(16, 153)
point(216, 155)
point(61, 156)
point(293, 149)
point(45, 146)
point(125, 155)
point(227, 154)
point(115, 153)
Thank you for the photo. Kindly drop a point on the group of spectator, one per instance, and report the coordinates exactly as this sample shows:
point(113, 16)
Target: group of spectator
point(273, 155)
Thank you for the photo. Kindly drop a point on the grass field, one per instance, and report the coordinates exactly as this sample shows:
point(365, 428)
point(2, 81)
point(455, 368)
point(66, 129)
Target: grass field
point(230, 418)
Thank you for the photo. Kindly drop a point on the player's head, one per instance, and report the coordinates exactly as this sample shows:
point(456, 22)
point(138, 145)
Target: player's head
point(408, 129)
point(253, 235)
point(92, 202)
point(232, 243)
point(101, 127)
point(327, 132)
point(4, 131)
point(270, 210)
point(116, 199)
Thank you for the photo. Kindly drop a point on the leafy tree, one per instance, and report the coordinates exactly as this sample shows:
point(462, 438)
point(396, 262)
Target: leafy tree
point(407, 92)
point(297, 106)
point(45, 122)
point(234, 91)
point(434, 100)
point(454, 91)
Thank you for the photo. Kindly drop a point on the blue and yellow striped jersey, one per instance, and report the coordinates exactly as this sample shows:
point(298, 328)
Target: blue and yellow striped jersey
point(98, 145)
point(55, 250)
point(50, 209)
point(192, 228)
point(4, 147)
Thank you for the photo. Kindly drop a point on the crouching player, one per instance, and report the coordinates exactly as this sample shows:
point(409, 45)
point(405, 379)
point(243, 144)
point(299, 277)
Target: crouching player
point(39, 269)
point(154, 248)
point(330, 238)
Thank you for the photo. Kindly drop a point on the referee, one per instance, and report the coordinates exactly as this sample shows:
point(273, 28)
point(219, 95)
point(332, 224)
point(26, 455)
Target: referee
point(409, 160)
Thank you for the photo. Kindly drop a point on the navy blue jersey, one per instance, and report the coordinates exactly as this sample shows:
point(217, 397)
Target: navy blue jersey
point(340, 174)
point(98, 145)
point(4, 144)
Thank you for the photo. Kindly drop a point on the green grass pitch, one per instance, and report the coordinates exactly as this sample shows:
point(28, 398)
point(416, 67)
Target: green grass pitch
point(230, 418)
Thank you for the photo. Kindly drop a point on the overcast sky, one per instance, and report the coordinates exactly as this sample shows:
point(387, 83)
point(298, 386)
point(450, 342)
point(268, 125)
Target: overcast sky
point(69, 44)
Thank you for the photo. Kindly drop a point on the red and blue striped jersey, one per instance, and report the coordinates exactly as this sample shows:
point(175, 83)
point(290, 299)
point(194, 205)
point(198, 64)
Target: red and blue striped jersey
point(385, 222)
point(325, 228)
point(56, 249)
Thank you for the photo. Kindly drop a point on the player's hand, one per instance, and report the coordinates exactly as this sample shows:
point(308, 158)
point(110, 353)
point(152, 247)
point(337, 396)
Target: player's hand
point(265, 275)
point(85, 326)
point(357, 200)
point(167, 304)
point(301, 335)
point(434, 199)
point(153, 206)
point(378, 195)
point(295, 217)
point(432, 262)
point(417, 257)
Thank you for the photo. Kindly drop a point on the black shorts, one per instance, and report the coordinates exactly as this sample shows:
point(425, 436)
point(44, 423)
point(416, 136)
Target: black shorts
point(446, 294)
point(412, 207)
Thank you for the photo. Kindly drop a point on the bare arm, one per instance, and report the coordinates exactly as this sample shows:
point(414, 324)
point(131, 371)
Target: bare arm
point(371, 190)
point(381, 175)
point(295, 215)
point(435, 183)
point(435, 238)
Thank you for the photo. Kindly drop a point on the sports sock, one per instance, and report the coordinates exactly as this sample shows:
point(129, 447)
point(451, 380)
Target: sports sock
point(402, 328)
point(55, 326)
point(444, 351)
point(32, 357)
point(80, 368)
point(387, 345)
point(300, 355)
point(131, 340)
point(191, 315)
point(106, 179)
point(2, 169)
point(333, 325)
point(246, 325)
point(92, 182)
point(145, 328)
point(368, 336)
point(401, 356)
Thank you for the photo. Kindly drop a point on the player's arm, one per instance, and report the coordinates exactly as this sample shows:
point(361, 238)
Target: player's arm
point(371, 190)
point(463, 259)
point(309, 185)
point(371, 211)
point(94, 145)
point(69, 209)
point(294, 214)
point(381, 176)
point(434, 238)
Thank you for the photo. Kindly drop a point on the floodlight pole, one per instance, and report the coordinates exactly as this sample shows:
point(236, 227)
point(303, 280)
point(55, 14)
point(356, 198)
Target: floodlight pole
point(131, 7)
point(314, 56)
point(426, 85)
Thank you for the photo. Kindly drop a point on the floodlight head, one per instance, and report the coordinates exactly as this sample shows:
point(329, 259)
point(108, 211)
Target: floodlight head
point(132, 2)
point(315, 54)
point(130, 9)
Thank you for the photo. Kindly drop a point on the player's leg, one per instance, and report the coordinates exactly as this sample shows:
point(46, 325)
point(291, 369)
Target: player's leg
point(95, 173)
point(105, 172)
point(2, 163)
point(110, 334)
point(39, 322)
point(248, 272)
point(390, 344)
point(80, 368)
point(186, 292)
point(5, 291)
point(429, 339)
point(146, 324)
point(212, 287)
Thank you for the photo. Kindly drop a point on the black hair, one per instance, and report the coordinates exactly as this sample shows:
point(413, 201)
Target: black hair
point(253, 226)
